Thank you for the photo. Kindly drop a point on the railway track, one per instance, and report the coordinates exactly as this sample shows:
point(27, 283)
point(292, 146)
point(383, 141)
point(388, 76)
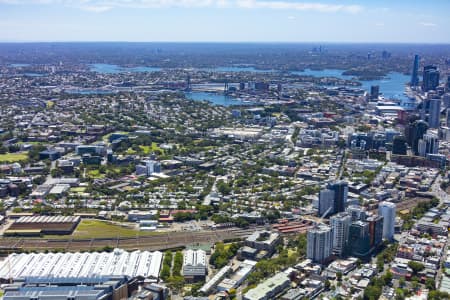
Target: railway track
point(161, 241)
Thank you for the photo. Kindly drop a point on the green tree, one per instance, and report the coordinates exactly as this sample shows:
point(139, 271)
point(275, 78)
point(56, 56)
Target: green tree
point(387, 278)
point(416, 266)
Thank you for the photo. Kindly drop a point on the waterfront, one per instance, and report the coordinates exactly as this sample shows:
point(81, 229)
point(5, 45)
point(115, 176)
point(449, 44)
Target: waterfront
point(115, 69)
point(392, 86)
point(216, 99)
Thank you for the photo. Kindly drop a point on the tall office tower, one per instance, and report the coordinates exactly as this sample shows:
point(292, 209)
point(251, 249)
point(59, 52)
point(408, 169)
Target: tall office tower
point(434, 118)
point(374, 92)
point(340, 189)
point(387, 211)
point(153, 166)
point(447, 86)
point(446, 100)
point(356, 212)
point(411, 118)
point(415, 71)
point(340, 225)
point(448, 117)
point(399, 146)
point(429, 144)
point(422, 148)
point(326, 203)
point(375, 230)
point(359, 239)
point(415, 133)
point(319, 243)
point(430, 78)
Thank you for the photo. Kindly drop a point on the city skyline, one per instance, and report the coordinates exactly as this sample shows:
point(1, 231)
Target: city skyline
point(224, 21)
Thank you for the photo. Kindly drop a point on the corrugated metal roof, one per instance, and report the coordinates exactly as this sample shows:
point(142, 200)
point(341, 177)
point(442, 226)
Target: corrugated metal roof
point(82, 265)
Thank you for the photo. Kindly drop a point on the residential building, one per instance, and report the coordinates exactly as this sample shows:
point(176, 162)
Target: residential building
point(319, 243)
point(340, 225)
point(387, 211)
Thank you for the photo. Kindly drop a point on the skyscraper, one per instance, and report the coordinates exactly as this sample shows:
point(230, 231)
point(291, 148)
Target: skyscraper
point(319, 243)
point(326, 200)
point(340, 225)
point(415, 132)
point(448, 117)
point(399, 145)
point(340, 189)
point(387, 211)
point(359, 239)
point(434, 118)
point(375, 230)
point(374, 92)
point(430, 78)
point(429, 144)
point(356, 212)
point(415, 72)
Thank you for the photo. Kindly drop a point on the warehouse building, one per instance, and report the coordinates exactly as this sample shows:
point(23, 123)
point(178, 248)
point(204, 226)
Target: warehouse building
point(37, 225)
point(83, 267)
point(194, 265)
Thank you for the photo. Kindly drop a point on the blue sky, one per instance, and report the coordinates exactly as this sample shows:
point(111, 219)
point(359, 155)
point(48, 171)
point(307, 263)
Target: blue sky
point(399, 21)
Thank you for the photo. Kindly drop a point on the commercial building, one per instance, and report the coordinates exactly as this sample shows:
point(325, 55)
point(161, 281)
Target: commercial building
point(319, 243)
point(375, 230)
point(194, 265)
point(263, 240)
point(415, 72)
point(326, 202)
point(340, 195)
point(356, 212)
point(148, 167)
point(429, 144)
point(115, 288)
point(387, 211)
point(434, 117)
point(430, 78)
point(139, 215)
point(269, 289)
point(414, 132)
point(333, 199)
point(239, 275)
point(359, 239)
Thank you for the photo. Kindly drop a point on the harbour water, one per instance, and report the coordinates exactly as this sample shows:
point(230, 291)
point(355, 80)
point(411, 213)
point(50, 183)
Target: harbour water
point(392, 86)
point(115, 69)
point(216, 99)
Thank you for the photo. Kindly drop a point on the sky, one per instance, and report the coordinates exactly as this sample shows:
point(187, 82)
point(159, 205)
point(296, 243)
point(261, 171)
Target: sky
point(359, 21)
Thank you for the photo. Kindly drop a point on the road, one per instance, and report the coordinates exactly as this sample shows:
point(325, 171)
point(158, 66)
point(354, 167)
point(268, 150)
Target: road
point(443, 198)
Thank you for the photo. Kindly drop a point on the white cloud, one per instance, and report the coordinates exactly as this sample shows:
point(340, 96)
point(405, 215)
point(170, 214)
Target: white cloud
point(97, 9)
point(104, 5)
point(428, 24)
point(291, 18)
point(301, 6)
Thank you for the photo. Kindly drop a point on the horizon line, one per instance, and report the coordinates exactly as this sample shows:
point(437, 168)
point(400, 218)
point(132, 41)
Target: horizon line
point(224, 42)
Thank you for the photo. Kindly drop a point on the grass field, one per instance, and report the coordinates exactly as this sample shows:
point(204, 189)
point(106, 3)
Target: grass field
point(78, 189)
point(95, 174)
point(13, 157)
point(88, 229)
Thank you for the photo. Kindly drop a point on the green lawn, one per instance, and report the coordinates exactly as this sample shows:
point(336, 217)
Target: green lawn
point(78, 189)
point(88, 229)
point(149, 149)
point(13, 157)
point(95, 174)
